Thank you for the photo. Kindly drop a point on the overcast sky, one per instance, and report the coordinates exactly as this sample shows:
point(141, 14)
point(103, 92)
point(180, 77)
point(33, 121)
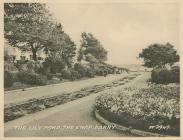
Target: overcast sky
point(123, 29)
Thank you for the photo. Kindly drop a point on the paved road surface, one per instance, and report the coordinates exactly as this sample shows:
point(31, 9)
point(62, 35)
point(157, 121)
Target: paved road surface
point(17, 96)
point(75, 113)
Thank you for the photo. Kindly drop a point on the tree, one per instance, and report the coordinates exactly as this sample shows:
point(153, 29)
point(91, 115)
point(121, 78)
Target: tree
point(60, 49)
point(158, 55)
point(62, 45)
point(90, 46)
point(27, 26)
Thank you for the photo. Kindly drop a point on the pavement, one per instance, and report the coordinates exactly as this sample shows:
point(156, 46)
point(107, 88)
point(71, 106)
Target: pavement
point(75, 118)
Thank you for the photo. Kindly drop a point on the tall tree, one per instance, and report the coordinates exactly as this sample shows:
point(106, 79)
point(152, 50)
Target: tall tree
point(61, 49)
point(91, 49)
point(27, 26)
point(158, 55)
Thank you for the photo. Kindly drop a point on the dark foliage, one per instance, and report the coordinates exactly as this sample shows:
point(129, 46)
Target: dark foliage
point(9, 78)
point(82, 70)
point(90, 73)
point(157, 55)
point(164, 76)
point(66, 74)
point(32, 78)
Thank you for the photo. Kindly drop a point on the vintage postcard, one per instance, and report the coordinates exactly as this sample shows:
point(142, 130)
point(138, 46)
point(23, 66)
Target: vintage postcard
point(91, 69)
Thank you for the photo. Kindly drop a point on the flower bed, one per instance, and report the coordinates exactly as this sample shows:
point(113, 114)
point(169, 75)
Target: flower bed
point(153, 109)
point(14, 111)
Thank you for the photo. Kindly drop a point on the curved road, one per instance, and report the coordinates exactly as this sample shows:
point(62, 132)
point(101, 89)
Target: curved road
point(68, 119)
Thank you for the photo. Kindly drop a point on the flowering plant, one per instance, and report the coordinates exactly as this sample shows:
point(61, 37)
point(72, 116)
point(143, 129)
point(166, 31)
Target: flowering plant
point(154, 105)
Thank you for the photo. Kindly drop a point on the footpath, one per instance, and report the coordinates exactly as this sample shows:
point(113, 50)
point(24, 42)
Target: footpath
point(51, 90)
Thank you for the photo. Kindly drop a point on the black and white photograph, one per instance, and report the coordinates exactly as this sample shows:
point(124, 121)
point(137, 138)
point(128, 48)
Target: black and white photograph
point(91, 69)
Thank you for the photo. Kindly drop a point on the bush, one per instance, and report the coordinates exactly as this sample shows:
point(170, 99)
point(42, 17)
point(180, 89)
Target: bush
point(9, 78)
point(54, 66)
point(34, 66)
point(161, 76)
point(58, 75)
point(75, 75)
point(175, 74)
point(49, 76)
point(9, 66)
point(32, 78)
point(22, 67)
point(110, 71)
point(164, 76)
point(66, 74)
point(99, 72)
point(82, 70)
point(90, 73)
point(103, 69)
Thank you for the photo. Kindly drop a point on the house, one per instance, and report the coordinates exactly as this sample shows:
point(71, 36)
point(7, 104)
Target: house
point(16, 54)
point(177, 64)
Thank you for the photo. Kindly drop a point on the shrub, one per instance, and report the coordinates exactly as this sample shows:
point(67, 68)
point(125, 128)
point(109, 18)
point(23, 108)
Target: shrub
point(9, 66)
point(40, 80)
point(31, 66)
point(101, 69)
point(32, 78)
point(9, 78)
point(75, 75)
point(34, 66)
point(154, 76)
point(49, 76)
point(164, 76)
point(66, 74)
point(54, 66)
point(99, 72)
point(82, 70)
point(90, 73)
point(22, 67)
point(110, 71)
point(175, 74)
point(58, 75)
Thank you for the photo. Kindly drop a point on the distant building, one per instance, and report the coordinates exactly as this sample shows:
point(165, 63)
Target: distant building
point(16, 54)
point(176, 64)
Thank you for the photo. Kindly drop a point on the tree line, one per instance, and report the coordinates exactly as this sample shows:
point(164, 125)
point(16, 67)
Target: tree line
point(30, 27)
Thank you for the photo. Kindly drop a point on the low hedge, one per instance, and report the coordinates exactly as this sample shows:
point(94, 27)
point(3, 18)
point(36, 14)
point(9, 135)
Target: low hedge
point(58, 75)
point(81, 69)
point(49, 76)
point(32, 78)
point(165, 76)
point(90, 73)
point(9, 78)
point(176, 74)
point(66, 74)
point(75, 75)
